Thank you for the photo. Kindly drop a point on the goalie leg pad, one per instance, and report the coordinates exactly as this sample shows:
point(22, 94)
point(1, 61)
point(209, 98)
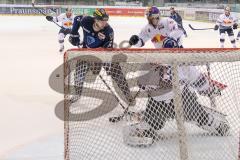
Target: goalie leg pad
point(206, 118)
point(216, 122)
point(138, 135)
point(157, 113)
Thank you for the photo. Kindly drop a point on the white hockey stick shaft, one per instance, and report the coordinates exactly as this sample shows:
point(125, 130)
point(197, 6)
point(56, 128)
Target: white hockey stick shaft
point(112, 92)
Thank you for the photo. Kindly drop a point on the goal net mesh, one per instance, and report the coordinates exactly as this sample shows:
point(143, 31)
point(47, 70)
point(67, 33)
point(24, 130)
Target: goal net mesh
point(127, 104)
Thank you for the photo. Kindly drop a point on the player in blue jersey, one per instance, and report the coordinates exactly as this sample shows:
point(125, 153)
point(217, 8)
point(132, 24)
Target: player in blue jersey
point(97, 33)
point(174, 15)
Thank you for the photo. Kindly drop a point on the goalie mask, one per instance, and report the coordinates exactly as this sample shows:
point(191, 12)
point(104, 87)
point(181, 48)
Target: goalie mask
point(153, 15)
point(170, 43)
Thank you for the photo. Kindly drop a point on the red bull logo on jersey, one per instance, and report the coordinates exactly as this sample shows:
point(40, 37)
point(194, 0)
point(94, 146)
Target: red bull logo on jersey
point(227, 21)
point(158, 38)
point(68, 24)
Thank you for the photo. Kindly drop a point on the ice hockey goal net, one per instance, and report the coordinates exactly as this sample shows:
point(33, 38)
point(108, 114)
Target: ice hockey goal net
point(187, 98)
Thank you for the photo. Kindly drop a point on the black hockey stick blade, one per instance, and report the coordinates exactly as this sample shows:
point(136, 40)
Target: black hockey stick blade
point(116, 119)
point(199, 28)
point(120, 117)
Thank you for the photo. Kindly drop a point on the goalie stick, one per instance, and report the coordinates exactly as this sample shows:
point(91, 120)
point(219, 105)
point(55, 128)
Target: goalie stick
point(111, 91)
point(120, 117)
point(199, 28)
point(126, 111)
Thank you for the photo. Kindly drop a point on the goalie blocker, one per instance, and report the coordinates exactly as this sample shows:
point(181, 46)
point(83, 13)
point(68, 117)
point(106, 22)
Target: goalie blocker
point(160, 107)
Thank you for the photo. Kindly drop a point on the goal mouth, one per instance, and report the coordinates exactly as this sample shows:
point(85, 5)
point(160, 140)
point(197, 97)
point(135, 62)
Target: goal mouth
point(187, 98)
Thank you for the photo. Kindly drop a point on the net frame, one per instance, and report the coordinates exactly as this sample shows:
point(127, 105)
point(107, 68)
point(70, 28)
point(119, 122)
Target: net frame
point(177, 56)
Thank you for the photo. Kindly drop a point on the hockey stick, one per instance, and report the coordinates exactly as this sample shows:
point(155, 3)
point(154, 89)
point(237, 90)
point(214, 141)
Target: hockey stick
point(39, 10)
point(52, 9)
point(111, 92)
point(212, 99)
point(120, 117)
point(199, 28)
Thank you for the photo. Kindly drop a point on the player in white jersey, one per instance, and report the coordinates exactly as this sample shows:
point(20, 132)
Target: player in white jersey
point(176, 16)
point(226, 23)
point(66, 20)
point(157, 82)
point(157, 30)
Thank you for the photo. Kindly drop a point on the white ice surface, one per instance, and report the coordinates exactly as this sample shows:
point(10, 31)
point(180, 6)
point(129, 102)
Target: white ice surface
point(29, 54)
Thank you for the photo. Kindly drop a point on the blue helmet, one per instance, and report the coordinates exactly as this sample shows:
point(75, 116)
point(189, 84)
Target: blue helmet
point(170, 43)
point(152, 11)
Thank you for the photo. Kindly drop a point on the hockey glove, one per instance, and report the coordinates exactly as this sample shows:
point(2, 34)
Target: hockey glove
point(133, 40)
point(216, 27)
point(235, 26)
point(49, 18)
point(74, 39)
